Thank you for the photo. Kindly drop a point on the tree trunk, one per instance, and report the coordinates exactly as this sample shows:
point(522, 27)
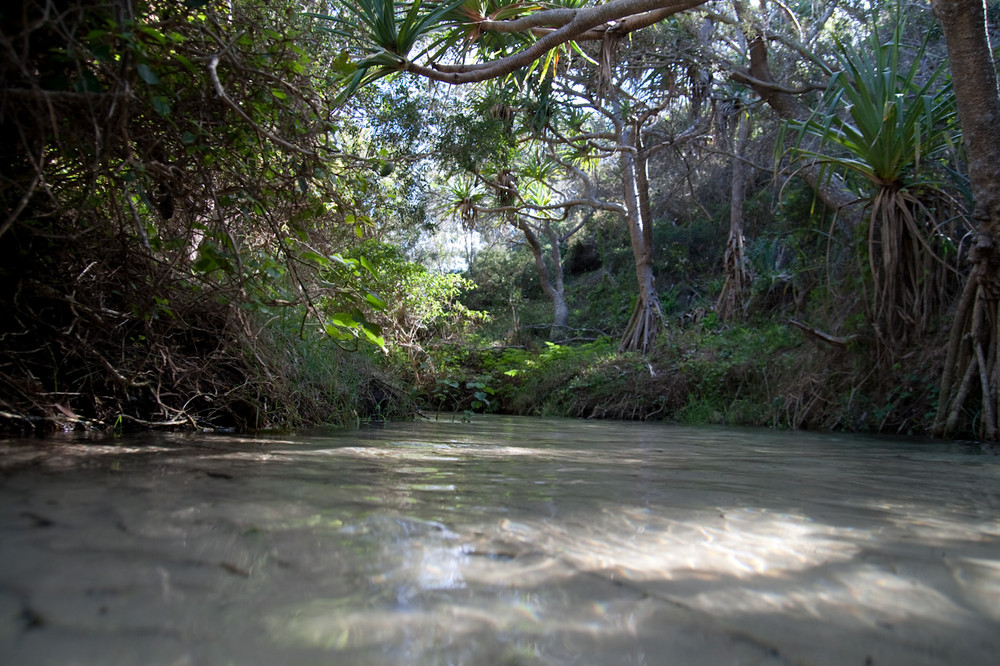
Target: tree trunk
point(734, 291)
point(971, 366)
point(560, 311)
point(829, 188)
point(647, 316)
point(553, 286)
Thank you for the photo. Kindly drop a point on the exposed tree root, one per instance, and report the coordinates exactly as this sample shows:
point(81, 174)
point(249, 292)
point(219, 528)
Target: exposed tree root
point(735, 290)
point(971, 361)
point(912, 283)
point(644, 325)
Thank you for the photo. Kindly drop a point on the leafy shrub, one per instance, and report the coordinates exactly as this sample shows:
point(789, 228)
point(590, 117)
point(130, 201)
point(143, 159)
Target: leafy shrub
point(414, 304)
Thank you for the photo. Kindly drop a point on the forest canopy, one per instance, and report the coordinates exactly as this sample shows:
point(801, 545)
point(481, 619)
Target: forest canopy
point(247, 214)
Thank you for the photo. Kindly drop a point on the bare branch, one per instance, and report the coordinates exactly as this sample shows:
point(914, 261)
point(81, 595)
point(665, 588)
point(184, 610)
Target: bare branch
point(743, 77)
point(213, 65)
point(624, 15)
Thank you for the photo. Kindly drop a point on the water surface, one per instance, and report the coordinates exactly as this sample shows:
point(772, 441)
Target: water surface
point(501, 541)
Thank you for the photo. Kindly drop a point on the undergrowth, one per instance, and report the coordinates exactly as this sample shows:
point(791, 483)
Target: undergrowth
point(763, 373)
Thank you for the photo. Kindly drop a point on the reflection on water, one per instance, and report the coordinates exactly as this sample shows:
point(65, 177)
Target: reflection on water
point(503, 541)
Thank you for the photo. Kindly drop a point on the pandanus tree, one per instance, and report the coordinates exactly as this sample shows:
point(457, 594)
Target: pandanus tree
point(539, 192)
point(734, 297)
point(972, 366)
point(628, 116)
point(885, 125)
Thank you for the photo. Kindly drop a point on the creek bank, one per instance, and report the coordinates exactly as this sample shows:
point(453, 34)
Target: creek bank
point(758, 374)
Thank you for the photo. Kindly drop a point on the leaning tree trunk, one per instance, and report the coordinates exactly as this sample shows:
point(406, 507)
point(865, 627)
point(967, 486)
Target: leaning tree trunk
point(829, 188)
point(971, 373)
point(552, 285)
point(733, 297)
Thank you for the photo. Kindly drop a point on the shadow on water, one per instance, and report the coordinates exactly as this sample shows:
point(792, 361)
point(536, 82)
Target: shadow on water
point(504, 541)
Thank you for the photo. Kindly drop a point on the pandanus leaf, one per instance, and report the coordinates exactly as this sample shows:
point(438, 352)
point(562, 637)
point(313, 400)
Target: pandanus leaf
point(876, 118)
point(386, 32)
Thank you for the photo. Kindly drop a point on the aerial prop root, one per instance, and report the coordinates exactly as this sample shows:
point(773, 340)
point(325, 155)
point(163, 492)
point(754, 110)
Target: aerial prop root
point(972, 355)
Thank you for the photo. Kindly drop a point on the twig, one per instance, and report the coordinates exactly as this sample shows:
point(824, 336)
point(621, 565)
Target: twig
point(213, 65)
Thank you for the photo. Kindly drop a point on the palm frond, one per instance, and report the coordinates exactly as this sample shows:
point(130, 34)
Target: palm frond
point(385, 33)
point(463, 199)
point(886, 122)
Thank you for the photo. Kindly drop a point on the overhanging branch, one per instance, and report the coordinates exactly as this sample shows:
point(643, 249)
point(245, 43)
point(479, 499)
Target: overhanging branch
point(621, 16)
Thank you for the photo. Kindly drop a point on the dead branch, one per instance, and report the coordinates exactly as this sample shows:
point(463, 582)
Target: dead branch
point(828, 338)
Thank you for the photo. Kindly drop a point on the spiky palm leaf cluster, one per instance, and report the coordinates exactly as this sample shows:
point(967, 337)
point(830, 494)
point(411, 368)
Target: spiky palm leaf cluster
point(882, 120)
point(388, 33)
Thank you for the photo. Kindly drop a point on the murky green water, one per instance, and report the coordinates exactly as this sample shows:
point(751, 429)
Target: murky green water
point(503, 541)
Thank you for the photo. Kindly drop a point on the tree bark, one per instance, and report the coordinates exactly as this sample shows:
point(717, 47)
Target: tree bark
point(552, 282)
point(974, 78)
point(829, 188)
point(647, 316)
point(973, 348)
point(734, 291)
point(560, 310)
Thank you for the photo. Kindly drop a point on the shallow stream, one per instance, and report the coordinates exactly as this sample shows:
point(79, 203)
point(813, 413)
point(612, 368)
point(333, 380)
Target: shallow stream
point(500, 541)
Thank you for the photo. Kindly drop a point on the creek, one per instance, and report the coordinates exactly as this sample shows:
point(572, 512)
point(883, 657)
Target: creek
point(500, 541)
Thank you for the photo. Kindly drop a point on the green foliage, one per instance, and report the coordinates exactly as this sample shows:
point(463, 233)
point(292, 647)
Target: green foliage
point(908, 407)
point(544, 382)
point(459, 395)
point(688, 249)
point(478, 134)
point(416, 304)
point(605, 302)
point(388, 128)
point(310, 381)
point(730, 374)
point(502, 276)
point(897, 120)
point(385, 33)
point(185, 150)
